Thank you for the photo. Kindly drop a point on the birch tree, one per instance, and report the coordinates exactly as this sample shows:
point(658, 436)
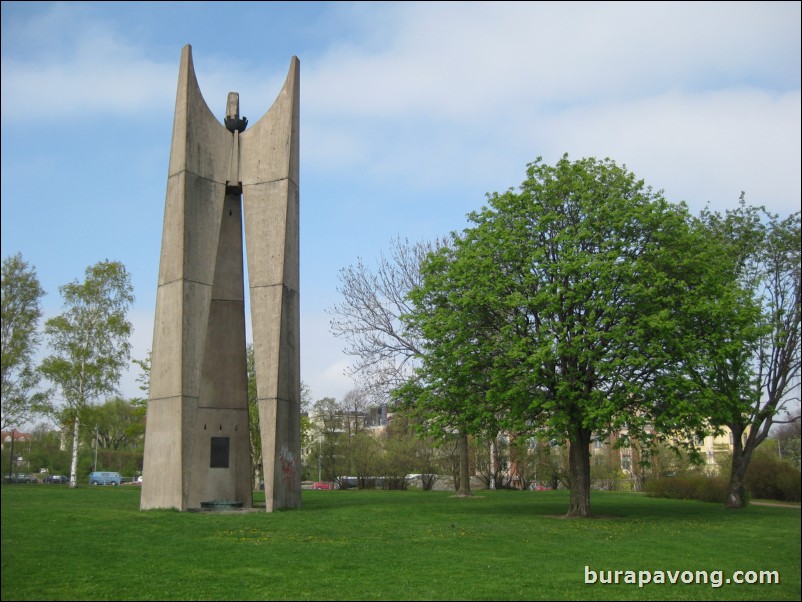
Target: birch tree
point(89, 342)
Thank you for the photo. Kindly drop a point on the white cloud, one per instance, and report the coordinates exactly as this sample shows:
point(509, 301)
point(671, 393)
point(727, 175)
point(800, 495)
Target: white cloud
point(699, 147)
point(83, 65)
point(452, 61)
point(89, 87)
point(460, 60)
point(323, 365)
point(76, 65)
point(441, 93)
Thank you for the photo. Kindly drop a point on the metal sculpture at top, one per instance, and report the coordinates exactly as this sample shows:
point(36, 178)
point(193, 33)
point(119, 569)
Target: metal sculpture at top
point(197, 446)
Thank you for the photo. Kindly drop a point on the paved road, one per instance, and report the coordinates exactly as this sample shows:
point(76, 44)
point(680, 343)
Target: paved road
point(777, 505)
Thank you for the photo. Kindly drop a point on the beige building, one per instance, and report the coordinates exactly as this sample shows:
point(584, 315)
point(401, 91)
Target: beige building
point(713, 449)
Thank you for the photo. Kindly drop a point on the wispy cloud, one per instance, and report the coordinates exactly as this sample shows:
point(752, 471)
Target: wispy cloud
point(83, 68)
point(65, 63)
point(443, 91)
point(699, 147)
point(457, 60)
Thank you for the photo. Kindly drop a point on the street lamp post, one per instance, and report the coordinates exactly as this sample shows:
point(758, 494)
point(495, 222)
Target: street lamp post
point(95, 469)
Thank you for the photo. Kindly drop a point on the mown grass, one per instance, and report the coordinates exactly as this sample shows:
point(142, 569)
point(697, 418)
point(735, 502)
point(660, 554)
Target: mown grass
point(95, 544)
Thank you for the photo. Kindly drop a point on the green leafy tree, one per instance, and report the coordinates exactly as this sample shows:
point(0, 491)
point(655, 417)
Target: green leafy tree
point(550, 464)
point(120, 424)
point(355, 444)
point(144, 380)
point(560, 313)
point(400, 448)
point(328, 432)
point(751, 350)
point(90, 342)
point(788, 441)
point(253, 417)
point(48, 452)
point(408, 452)
point(21, 311)
point(366, 458)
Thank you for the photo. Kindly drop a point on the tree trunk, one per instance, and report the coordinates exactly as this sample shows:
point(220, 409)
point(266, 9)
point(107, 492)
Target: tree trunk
point(493, 464)
point(579, 472)
point(464, 473)
point(74, 461)
point(736, 493)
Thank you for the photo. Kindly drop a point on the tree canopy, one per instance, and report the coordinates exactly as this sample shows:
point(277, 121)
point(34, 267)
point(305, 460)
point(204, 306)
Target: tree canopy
point(562, 312)
point(751, 354)
point(90, 341)
point(21, 311)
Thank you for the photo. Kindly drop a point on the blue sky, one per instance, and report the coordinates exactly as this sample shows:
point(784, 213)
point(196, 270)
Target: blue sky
point(410, 113)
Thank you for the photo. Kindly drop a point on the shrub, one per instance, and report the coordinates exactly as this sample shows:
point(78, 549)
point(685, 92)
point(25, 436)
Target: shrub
point(689, 486)
point(772, 479)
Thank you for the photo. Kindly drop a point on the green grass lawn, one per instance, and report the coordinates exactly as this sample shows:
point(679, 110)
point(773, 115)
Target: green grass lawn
point(95, 544)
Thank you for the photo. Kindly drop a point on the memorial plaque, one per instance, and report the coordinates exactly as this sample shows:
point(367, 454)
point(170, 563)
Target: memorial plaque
point(219, 456)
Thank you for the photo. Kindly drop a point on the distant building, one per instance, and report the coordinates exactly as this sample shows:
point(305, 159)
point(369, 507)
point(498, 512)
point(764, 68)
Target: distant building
point(713, 448)
point(18, 438)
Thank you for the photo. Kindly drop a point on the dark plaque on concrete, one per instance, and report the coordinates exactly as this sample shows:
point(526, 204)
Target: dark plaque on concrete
point(219, 457)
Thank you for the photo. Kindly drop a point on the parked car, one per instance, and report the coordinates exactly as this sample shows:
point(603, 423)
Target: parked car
point(105, 478)
point(322, 485)
point(21, 477)
point(57, 478)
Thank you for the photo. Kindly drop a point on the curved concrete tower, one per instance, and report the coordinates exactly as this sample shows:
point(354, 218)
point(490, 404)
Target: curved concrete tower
point(196, 438)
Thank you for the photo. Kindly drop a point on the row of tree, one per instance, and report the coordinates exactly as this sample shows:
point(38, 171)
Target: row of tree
point(352, 438)
point(112, 439)
point(88, 342)
point(579, 305)
point(584, 304)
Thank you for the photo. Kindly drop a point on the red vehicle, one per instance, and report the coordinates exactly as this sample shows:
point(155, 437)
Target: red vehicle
point(322, 485)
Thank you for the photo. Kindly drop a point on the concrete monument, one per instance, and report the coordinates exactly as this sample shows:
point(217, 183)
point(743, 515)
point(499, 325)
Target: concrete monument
point(197, 439)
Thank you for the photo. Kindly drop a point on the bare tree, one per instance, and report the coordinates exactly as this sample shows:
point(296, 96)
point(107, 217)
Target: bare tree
point(788, 440)
point(369, 317)
point(354, 408)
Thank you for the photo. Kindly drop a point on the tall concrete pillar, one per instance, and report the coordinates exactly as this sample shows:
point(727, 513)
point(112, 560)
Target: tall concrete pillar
point(197, 438)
